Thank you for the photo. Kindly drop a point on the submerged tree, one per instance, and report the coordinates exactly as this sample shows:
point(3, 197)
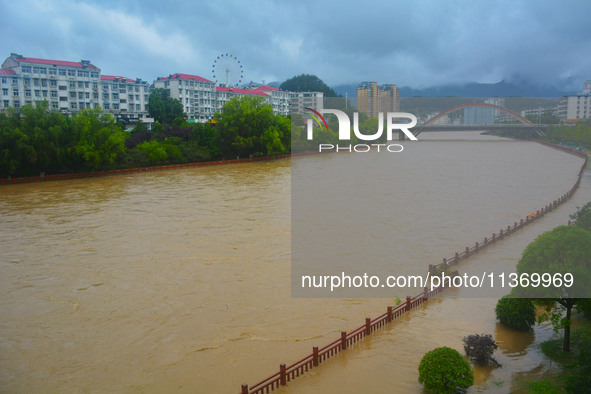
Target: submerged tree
point(555, 271)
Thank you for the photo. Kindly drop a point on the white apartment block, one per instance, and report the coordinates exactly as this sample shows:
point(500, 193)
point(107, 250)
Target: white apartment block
point(67, 86)
point(299, 101)
point(279, 99)
point(575, 107)
point(70, 87)
point(127, 99)
point(197, 94)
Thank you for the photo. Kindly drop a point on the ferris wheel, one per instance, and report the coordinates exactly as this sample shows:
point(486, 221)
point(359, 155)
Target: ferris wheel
point(227, 70)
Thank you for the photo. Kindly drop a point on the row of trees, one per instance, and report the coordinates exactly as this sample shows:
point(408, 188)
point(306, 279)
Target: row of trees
point(36, 140)
point(578, 135)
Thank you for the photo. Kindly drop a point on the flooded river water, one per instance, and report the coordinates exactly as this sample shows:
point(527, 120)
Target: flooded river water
point(179, 281)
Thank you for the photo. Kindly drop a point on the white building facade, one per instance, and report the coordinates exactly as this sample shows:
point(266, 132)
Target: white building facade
point(70, 87)
point(299, 101)
point(196, 93)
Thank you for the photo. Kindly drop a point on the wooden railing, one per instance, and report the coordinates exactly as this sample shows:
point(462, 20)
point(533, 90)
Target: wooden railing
point(287, 373)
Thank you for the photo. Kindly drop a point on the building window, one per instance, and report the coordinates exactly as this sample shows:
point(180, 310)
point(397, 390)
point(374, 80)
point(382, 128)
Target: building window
point(73, 105)
point(53, 94)
point(4, 80)
point(94, 75)
point(27, 93)
point(17, 104)
point(138, 107)
point(63, 99)
point(73, 95)
point(6, 103)
point(87, 94)
point(80, 84)
point(44, 93)
point(72, 84)
point(44, 83)
point(81, 105)
point(95, 85)
point(62, 72)
point(26, 69)
point(62, 87)
point(105, 86)
point(107, 106)
point(115, 106)
point(95, 96)
point(71, 73)
point(52, 71)
point(15, 92)
point(80, 95)
point(105, 96)
point(53, 82)
point(54, 105)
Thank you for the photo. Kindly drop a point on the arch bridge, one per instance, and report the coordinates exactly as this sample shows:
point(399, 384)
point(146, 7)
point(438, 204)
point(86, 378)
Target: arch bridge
point(526, 124)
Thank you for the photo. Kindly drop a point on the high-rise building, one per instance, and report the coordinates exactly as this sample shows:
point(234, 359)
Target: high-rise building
point(373, 99)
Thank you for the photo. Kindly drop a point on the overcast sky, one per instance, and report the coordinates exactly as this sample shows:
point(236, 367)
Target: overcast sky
point(409, 43)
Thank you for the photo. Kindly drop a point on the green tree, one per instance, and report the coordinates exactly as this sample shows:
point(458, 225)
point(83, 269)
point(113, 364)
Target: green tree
point(583, 216)
point(517, 313)
point(307, 83)
point(248, 126)
point(98, 139)
point(445, 370)
point(163, 108)
point(563, 251)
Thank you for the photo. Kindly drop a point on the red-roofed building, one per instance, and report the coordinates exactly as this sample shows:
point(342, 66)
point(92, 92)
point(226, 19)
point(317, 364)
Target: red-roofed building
point(280, 99)
point(70, 87)
point(196, 93)
point(126, 98)
point(67, 86)
point(225, 94)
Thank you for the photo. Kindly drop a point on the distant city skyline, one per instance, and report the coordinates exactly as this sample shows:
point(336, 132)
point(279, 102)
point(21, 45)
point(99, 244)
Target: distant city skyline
point(417, 44)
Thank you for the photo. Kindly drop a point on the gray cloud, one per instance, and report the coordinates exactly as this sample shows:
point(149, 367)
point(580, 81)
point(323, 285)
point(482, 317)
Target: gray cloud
point(418, 43)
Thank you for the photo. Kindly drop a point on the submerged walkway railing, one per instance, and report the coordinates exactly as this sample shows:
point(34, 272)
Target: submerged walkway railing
point(287, 373)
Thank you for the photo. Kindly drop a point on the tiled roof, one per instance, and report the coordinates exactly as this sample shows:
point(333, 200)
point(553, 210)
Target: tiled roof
point(52, 62)
point(112, 78)
point(6, 71)
point(240, 91)
point(267, 88)
point(186, 76)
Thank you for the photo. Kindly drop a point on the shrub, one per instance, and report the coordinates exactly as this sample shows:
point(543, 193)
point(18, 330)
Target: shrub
point(480, 347)
point(518, 313)
point(445, 370)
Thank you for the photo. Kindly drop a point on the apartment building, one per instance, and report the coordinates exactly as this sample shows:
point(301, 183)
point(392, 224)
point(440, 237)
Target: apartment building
point(299, 101)
point(197, 94)
point(67, 86)
point(125, 98)
point(70, 87)
point(373, 99)
point(279, 99)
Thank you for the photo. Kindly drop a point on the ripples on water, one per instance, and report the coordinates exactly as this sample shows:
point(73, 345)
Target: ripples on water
point(180, 281)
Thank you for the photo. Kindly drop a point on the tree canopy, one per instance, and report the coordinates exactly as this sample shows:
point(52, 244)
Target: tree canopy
point(307, 83)
point(556, 254)
point(248, 126)
point(163, 108)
